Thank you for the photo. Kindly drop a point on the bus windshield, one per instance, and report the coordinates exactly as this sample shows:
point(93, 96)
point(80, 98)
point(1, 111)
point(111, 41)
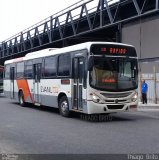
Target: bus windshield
point(114, 73)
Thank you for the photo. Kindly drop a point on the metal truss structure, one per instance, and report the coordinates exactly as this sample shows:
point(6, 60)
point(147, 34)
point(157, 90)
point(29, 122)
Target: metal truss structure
point(75, 22)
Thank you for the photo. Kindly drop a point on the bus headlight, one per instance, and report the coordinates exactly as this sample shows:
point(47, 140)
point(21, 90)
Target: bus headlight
point(96, 99)
point(134, 97)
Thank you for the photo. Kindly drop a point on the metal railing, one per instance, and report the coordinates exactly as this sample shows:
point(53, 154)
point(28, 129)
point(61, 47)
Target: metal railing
point(80, 18)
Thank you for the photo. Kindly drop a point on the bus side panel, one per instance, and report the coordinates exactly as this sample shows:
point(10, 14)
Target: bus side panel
point(10, 89)
point(7, 88)
point(49, 92)
point(30, 97)
point(50, 89)
point(66, 88)
point(25, 86)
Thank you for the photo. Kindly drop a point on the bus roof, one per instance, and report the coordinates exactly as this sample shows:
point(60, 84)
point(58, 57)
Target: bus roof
point(54, 51)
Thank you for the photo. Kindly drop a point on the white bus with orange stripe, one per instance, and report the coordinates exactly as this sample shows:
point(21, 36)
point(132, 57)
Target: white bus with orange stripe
point(92, 78)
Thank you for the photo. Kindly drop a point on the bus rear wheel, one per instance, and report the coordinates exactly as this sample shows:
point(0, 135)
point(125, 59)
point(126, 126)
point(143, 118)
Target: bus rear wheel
point(64, 106)
point(21, 99)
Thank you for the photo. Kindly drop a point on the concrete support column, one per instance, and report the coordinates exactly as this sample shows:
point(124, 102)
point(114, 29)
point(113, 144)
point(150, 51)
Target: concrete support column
point(119, 33)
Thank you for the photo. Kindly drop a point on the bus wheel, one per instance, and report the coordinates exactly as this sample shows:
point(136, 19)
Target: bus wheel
point(64, 106)
point(21, 99)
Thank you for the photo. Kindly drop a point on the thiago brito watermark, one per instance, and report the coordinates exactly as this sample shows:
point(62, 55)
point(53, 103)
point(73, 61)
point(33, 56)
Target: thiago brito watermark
point(143, 157)
point(96, 118)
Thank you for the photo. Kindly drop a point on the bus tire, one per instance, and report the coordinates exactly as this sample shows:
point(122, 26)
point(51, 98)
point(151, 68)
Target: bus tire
point(21, 99)
point(64, 106)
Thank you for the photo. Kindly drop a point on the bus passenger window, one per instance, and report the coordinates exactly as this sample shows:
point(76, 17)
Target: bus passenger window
point(64, 65)
point(50, 66)
point(20, 70)
point(29, 69)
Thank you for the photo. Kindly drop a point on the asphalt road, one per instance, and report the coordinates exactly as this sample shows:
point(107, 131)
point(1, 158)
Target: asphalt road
point(33, 130)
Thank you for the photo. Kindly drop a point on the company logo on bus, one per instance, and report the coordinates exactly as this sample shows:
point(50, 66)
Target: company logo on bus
point(114, 50)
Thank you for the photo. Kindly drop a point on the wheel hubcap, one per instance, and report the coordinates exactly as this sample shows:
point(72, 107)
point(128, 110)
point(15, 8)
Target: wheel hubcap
point(21, 100)
point(64, 106)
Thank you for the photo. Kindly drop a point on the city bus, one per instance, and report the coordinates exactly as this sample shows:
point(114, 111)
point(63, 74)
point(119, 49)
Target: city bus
point(90, 78)
point(1, 78)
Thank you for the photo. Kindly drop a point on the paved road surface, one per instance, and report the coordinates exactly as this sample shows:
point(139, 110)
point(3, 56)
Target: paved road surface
point(32, 130)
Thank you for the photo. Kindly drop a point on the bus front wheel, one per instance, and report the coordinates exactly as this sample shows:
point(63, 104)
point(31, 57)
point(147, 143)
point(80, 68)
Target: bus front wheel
point(21, 99)
point(64, 106)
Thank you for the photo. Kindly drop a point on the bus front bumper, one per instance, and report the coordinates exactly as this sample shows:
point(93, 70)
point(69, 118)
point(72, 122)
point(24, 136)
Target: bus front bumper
point(96, 108)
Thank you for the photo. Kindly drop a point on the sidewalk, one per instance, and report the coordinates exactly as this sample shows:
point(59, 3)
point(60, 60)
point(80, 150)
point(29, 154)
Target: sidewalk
point(148, 106)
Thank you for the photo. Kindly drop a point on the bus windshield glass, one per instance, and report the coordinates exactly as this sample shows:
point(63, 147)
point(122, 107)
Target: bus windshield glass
point(114, 73)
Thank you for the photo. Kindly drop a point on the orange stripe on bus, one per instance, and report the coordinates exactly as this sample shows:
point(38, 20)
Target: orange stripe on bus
point(23, 84)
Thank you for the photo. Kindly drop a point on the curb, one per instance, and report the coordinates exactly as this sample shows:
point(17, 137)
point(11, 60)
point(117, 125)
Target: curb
point(148, 106)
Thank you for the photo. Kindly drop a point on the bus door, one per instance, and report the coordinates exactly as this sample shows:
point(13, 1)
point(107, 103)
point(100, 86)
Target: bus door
point(36, 82)
point(12, 78)
point(78, 78)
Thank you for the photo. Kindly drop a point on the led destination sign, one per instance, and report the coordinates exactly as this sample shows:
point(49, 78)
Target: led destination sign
point(113, 50)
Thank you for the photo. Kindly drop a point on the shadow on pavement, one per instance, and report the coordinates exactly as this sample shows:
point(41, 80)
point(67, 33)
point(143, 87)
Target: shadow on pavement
point(80, 116)
point(2, 95)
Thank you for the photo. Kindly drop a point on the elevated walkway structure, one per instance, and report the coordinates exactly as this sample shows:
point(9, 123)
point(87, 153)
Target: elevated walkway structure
point(83, 21)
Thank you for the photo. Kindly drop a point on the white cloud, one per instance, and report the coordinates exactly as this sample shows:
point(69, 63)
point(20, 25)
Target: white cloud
point(17, 15)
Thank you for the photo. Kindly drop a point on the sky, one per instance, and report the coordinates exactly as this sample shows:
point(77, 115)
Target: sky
point(18, 15)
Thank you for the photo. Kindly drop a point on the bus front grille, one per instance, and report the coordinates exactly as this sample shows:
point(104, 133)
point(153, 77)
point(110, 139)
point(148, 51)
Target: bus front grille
point(115, 106)
point(115, 95)
point(113, 101)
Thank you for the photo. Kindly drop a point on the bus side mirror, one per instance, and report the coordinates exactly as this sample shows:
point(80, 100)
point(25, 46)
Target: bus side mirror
point(90, 63)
